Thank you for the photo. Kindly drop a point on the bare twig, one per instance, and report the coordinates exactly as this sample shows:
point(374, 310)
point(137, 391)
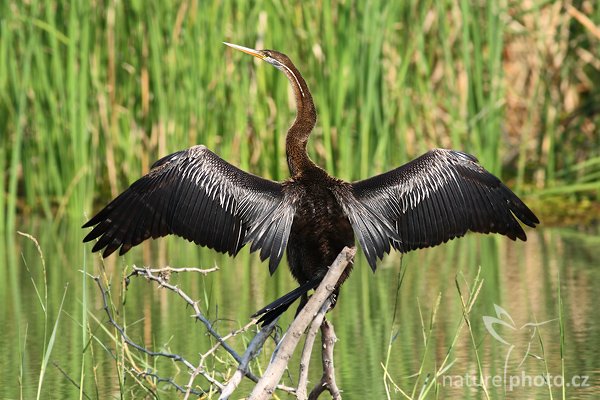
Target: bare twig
point(146, 272)
point(328, 379)
point(71, 380)
point(174, 357)
point(200, 368)
point(309, 342)
point(126, 339)
point(319, 301)
point(167, 380)
point(167, 270)
point(251, 352)
point(161, 276)
point(265, 387)
point(162, 280)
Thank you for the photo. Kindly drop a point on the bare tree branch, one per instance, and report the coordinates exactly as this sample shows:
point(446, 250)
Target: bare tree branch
point(328, 379)
point(168, 270)
point(162, 281)
point(127, 340)
point(167, 380)
point(161, 276)
point(266, 385)
point(252, 351)
point(320, 301)
point(309, 342)
point(146, 272)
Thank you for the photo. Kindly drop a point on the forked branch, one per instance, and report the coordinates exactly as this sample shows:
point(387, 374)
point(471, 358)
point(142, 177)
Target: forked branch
point(328, 340)
point(266, 385)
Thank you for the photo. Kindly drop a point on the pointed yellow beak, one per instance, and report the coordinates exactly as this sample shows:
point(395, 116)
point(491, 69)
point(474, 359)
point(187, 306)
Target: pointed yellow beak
point(246, 50)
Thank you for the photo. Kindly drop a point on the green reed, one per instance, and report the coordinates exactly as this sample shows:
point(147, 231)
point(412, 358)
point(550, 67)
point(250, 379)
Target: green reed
point(92, 95)
point(49, 332)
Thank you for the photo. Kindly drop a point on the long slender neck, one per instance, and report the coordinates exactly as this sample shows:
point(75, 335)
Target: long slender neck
point(306, 117)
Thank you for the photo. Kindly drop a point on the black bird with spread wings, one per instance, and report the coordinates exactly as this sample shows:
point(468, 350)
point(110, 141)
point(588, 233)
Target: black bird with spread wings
point(199, 196)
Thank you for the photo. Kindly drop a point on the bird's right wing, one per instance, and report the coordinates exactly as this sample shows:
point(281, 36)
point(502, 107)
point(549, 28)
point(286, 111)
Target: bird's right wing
point(432, 199)
point(197, 195)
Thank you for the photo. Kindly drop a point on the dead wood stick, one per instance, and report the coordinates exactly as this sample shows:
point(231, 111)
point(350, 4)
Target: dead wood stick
point(266, 385)
point(328, 339)
point(309, 342)
point(253, 348)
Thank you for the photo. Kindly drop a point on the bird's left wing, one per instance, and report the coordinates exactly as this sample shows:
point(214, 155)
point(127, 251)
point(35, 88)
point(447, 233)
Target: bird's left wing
point(434, 198)
point(197, 195)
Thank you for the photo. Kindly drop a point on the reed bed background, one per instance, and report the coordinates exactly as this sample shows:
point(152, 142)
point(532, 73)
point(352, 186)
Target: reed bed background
point(91, 93)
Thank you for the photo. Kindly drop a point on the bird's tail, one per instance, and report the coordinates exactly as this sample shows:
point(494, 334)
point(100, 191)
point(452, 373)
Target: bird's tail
point(278, 307)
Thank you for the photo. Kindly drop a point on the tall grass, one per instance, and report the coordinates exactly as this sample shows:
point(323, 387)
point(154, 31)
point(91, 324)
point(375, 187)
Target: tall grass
point(50, 334)
point(91, 94)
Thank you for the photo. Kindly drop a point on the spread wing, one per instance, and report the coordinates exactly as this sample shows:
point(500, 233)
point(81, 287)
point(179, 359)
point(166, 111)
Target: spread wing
point(197, 195)
point(437, 197)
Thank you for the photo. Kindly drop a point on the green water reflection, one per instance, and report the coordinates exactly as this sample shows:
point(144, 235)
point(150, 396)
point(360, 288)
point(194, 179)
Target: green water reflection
point(521, 278)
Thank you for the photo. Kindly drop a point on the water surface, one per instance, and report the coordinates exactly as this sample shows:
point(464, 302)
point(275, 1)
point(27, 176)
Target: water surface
point(414, 332)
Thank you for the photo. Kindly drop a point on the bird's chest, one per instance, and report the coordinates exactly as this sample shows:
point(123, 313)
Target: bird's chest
point(318, 213)
point(319, 232)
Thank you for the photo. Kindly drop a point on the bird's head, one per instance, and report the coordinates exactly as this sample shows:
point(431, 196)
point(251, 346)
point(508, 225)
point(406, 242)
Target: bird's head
point(275, 58)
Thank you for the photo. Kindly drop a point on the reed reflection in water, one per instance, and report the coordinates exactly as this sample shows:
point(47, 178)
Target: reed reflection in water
point(410, 331)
